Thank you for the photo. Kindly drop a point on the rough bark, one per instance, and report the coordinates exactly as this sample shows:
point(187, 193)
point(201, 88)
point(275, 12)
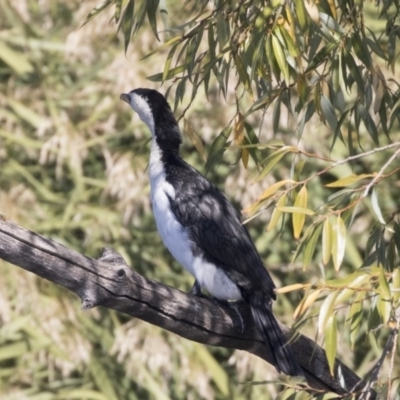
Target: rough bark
point(111, 283)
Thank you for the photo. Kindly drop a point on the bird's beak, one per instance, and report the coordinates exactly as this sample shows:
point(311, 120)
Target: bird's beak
point(125, 97)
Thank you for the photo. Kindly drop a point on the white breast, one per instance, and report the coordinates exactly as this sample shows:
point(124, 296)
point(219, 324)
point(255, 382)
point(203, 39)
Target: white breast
point(176, 238)
point(171, 231)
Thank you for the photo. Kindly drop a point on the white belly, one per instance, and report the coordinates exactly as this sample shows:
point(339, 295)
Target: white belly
point(178, 243)
point(172, 234)
point(176, 239)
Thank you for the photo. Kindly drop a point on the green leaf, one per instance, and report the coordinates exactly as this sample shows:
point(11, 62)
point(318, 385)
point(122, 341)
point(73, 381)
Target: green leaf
point(151, 8)
point(329, 113)
point(118, 9)
point(276, 115)
point(349, 180)
point(321, 56)
point(306, 303)
point(361, 282)
point(280, 58)
point(326, 242)
point(276, 214)
point(331, 342)
point(301, 14)
point(292, 47)
point(383, 285)
point(243, 75)
point(299, 210)
point(16, 60)
point(217, 149)
point(396, 284)
point(326, 311)
point(189, 130)
point(338, 242)
point(384, 309)
point(299, 217)
point(356, 280)
point(97, 10)
point(376, 208)
point(171, 42)
point(369, 123)
point(273, 159)
point(171, 73)
point(310, 247)
point(354, 70)
point(330, 23)
point(355, 316)
point(361, 51)
point(270, 191)
point(193, 46)
point(126, 23)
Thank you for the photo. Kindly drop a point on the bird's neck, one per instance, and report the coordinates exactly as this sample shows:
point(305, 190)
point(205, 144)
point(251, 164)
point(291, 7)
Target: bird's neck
point(163, 152)
point(166, 140)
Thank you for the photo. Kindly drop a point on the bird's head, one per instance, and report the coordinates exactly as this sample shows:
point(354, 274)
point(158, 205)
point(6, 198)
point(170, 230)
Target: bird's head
point(154, 110)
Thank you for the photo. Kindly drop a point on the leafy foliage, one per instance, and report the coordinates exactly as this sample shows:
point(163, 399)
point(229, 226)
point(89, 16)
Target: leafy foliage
point(312, 120)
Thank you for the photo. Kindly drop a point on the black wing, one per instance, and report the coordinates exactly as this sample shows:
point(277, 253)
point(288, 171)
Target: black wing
point(215, 228)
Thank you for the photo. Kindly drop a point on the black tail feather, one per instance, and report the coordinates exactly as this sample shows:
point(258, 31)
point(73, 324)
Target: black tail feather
point(274, 338)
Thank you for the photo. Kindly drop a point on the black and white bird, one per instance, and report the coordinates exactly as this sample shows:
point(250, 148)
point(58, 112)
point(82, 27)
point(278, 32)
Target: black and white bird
point(202, 229)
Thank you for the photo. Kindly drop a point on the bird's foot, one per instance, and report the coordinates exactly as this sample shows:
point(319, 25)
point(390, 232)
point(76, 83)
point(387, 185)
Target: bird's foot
point(196, 290)
point(234, 305)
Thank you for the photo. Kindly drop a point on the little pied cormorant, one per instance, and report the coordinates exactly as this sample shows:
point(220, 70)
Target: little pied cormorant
point(202, 229)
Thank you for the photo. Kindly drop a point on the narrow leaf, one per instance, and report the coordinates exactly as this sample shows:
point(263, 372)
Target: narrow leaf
point(16, 60)
point(329, 112)
point(383, 285)
point(127, 23)
point(152, 6)
point(300, 210)
point(276, 214)
point(217, 149)
point(164, 46)
point(301, 14)
point(376, 208)
point(273, 189)
point(348, 180)
point(355, 317)
point(273, 159)
point(280, 58)
point(384, 308)
point(195, 138)
point(98, 9)
point(331, 342)
point(326, 242)
point(338, 242)
point(291, 288)
point(396, 284)
point(323, 55)
point(326, 311)
point(306, 303)
point(299, 217)
point(310, 247)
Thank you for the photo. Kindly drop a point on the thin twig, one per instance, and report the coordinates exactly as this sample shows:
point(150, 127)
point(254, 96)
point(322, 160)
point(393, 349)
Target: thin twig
point(355, 157)
point(380, 173)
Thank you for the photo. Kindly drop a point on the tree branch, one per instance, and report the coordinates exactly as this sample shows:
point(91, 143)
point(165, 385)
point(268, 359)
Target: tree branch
point(110, 282)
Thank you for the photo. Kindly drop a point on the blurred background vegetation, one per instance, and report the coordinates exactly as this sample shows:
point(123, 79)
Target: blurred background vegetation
point(276, 101)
